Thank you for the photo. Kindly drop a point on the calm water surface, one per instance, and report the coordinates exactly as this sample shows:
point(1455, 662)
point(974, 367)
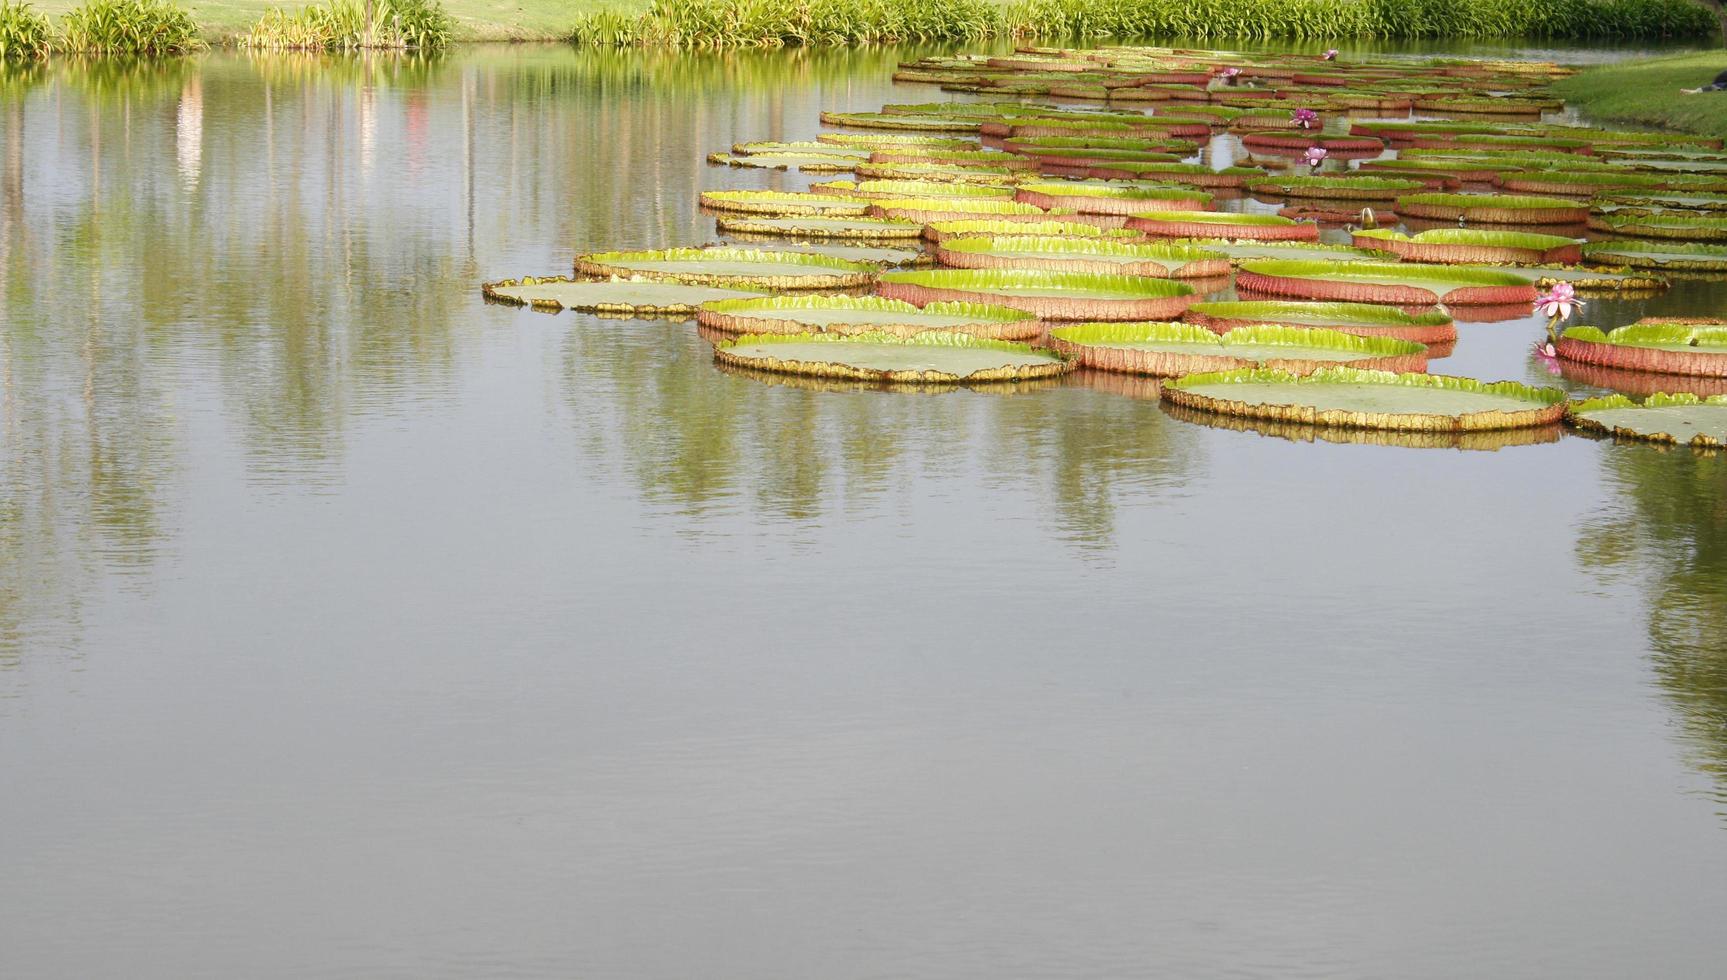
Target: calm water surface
point(351, 627)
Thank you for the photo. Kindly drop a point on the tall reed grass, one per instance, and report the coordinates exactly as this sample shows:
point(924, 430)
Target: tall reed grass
point(24, 33)
point(147, 27)
point(340, 25)
point(773, 23)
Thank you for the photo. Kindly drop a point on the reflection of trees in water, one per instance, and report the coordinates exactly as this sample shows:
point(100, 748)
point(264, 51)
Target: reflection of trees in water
point(173, 234)
point(1671, 526)
point(701, 440)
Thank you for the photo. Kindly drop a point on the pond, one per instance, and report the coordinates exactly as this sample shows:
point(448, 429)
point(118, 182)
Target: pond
point(354, 626)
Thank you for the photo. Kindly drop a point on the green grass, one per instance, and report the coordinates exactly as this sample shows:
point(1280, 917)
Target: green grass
point(476, 20)
point(1647, 93)
point(772, 23)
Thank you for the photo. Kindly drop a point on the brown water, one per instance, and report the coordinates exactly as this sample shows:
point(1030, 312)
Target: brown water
point(351, 627)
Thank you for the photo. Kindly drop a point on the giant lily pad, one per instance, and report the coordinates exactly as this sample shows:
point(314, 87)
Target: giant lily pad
point(1248, 251)
point(947, 173)
point(1195, 174)
point(1663, 201)
point(1395, 283)
point(1621, 284)
point(882, 189)
point(1352, 398)
point(1491, 440)
point(1103, 199)
point(783, 202)
point(810, 163)
point(865, 314)
point(1298, 142)
point(927, 358)
point(1675, 256)
point(1050, 295)
point(875, 141)
point(1174, 349)
point(928, 210)
point(858, 229)
point(1575, 184)
point(883, 120)
point(1339, 188)
point(1663, 346)
point(1695, 228)
point(1058, 254)
point(1082, 158)
point(739, 267)
point(1433, 327)
point(800, 146)
point(1469, 246)
point(1052, 227)
point(1221, 224)
point(879, 256)
point(1682, 419)
point(1494, 209)
point(640, 297)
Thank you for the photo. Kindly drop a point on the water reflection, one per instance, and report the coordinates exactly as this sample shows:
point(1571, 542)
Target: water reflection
point(314, 564)
point(1668, 526)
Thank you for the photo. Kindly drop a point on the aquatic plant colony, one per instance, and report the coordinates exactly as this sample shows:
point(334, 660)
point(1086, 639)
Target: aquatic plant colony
point(1282, 243)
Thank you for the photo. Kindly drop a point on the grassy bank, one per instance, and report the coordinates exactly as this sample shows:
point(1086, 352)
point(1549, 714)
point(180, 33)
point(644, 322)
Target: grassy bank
point(1647, 93)
point(719, 23)
point(476, 20)
point(777, 22)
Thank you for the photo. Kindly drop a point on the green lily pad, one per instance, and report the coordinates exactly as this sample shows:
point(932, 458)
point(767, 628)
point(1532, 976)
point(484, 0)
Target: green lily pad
point(861, 229)
point(1172, 349)
point(1082, 255)
point(827, 163)
point(1342, 188)
point(723, 266)
point(943, 230)
point(876, 255)
point(1659, 255)
point(1051, 295)
point(1400, 283)
point(1352, 398)
point(1697, 228)
point(1493, 208)
point(928, 358)
point(884, 140)
point(1432, 327)
point(866, 314)
point(883, 120)
point(1682, 419)
point(877, 189)
point(783, 202)
point(640, 297)
point(1240, 251)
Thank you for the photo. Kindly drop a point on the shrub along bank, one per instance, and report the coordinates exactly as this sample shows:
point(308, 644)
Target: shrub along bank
point(161, 27)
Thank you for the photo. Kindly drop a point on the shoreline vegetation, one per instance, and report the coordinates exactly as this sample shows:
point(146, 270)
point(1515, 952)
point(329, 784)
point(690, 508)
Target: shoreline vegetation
point(774, 23)
point(330, 24)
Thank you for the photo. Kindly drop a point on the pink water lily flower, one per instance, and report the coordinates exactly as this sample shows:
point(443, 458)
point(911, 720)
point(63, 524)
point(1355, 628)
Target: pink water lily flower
point(1316, 156)
point(1559, 302)
point(1304, 117)
point(1329, 55)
